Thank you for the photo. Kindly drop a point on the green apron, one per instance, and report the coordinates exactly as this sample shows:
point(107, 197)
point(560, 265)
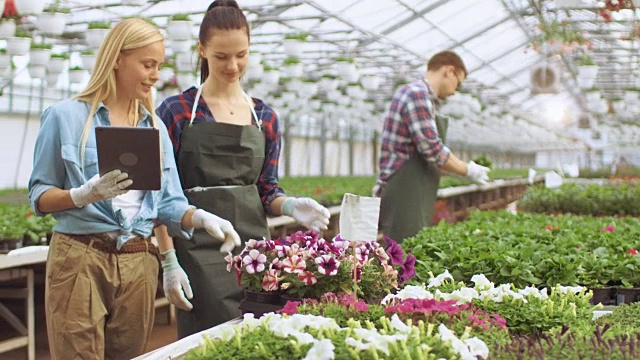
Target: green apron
point(408, 199)
point(219, 166)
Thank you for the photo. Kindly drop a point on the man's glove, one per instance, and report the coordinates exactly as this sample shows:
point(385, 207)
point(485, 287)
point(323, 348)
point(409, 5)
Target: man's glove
point(477, 173)
point(307, 212)
point(98, 188)
point(175, 281)
point(217, 227)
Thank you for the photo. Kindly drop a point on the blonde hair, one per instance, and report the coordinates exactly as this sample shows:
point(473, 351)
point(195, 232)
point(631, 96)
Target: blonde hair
point(129, 34)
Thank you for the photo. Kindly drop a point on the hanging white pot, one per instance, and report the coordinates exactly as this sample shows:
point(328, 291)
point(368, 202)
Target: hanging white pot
point(328, 84)
point(185, 80)
point(88, 61)
point(293, 70)
point(5, 61)
point(631, 96)
point(293, 47)
point(271, 77)
point(39, 56)
point(7, 27)
point(569, 4)
point(52, 79)
point(94, 37)
point(179, 29)
point(18, 46)
point(166, 75)
point(29, 7)
point(344, 68)
point(184, 62)
point(254, 73)
point(587, 75)
point(370, 82)
point(180, 46)
point(56, 65)
point(315, 104)
point(593, 96)
point(51, 23)
point(76, 76)
point(37, 71)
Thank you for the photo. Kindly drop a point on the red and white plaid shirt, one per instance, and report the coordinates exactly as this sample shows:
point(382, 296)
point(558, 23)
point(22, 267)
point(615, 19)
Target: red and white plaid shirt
point(410, 130)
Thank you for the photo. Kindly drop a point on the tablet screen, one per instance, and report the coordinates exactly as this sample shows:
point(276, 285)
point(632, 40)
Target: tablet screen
point(133, 150)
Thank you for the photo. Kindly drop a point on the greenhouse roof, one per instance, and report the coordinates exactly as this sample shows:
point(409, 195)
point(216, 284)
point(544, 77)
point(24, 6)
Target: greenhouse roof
point(506, 44)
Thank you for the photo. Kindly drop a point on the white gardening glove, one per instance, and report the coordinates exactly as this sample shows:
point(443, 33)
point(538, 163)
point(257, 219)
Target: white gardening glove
point(477, 173)
point(98, 188)
point(175, 281)
point(217, 227)
point(307, 212)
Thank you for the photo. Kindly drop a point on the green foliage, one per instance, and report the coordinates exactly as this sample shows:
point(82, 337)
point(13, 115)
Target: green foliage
point(291, 60)
point(625, 319)
point(88, 52)
point(75, 68)
point(99, 25)
point(527, 249)
point(180, 17)
point(345, 59)
point(43, 46)
point(585, 60)
point(16, 221)
point(483, 160)
point(60, 56)
point(297, 36)
point(597, 200)
point(20, 33)
point(57, 7)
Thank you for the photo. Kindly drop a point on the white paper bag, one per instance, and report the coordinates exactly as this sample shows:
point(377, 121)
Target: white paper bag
point(359, 217)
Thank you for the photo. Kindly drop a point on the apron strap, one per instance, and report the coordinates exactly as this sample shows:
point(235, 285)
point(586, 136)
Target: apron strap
point(249, 101)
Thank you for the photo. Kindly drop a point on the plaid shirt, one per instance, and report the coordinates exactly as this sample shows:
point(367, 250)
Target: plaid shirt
point(410, 129)
point(175, 112)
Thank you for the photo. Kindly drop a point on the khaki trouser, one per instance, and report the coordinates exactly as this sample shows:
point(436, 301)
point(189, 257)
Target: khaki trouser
point(99, 305)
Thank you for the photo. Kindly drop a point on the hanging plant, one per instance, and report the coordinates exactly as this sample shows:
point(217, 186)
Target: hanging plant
point(615, 5)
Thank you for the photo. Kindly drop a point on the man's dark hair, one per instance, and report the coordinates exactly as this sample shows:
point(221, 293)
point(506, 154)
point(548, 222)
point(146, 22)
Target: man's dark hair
point(446, 58)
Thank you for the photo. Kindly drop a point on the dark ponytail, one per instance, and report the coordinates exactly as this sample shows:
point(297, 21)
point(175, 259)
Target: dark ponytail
point(221, 15)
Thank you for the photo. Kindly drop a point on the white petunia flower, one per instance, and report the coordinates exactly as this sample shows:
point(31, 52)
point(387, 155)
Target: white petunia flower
point(481, 282)
point(439, 280)
point(399, 325)
point(321, 350)
point(477, 347)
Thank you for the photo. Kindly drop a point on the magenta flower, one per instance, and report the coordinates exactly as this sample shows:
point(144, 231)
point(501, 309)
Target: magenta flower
point(361, 306)
point(294, 265)
point(395, 252)
point(609, 228)
point(290, 308)
point(347, 299)
point(408, 268)
point(254, 261)
point(307, 277)
point(329, 298)
point(362, 253)
point(327, 265)
point(270, 280)
point(276, 263)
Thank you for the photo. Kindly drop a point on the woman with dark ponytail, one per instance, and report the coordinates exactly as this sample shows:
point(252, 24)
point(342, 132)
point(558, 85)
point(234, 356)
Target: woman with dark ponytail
point(227, 147)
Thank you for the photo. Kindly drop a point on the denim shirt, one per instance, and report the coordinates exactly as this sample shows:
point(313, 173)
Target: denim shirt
point(56, 164)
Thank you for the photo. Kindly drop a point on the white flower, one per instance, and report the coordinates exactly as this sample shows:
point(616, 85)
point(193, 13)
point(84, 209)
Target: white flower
point(477, 347)
point(399, 325)
point(464, 295)
point(477, 231)
point(481, 281)
point(438, 280)
point(321, 350)
point(571, 289)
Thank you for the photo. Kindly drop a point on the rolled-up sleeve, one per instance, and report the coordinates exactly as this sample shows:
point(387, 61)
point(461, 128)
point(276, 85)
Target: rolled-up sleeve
point(419, 113)
point(48, 167)
point(268, 186)
point(173, 204)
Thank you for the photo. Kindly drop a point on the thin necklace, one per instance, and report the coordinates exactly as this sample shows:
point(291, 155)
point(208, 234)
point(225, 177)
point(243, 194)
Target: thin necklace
point(228, 107)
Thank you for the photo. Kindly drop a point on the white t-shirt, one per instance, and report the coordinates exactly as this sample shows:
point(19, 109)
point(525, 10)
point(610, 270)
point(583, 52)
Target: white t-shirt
point(129, 203)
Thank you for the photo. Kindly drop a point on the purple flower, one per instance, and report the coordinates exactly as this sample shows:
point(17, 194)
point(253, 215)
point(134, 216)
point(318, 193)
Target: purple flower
point(327, 265)
point(395, 252)
point(254, 261)
point(408, 268)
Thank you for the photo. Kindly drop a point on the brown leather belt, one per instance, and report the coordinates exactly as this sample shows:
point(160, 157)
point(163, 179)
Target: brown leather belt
point(106, 243)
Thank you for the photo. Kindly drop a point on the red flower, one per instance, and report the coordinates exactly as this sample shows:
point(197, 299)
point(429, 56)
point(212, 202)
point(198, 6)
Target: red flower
point(29, 214)
point(609, 228)
point(290, 308)
point(632, 252)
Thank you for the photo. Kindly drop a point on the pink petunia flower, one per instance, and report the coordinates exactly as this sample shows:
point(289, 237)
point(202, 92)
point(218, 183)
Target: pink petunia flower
point(270, 280)
point(408, 268)
point(329, 298)
point(229, 260)
point(361, 306)
point(327, 265)
point(308, 277)
point(395, 252)
point(632, 252)
point(290, 308)
point(609, 228)
point(294, 265)
point(254, 261)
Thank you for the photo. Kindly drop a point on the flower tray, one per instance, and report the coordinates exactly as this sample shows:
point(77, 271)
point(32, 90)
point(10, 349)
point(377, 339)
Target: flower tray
point(603, 295)
point(627, 295)
point(260, 302)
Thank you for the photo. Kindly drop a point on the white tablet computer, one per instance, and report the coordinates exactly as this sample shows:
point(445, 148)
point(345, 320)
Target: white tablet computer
point(133, 150)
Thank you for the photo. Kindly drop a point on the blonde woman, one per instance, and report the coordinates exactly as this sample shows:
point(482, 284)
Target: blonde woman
point(102, 270)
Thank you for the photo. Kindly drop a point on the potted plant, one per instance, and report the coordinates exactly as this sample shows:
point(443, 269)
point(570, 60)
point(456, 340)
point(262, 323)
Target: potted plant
point(345, 67)
point(52, 79)
point(57, 63)
point(292, 66)
point(5, 60)
point(587, 71)
point(271, 75)
point(7, 27)
point(37, 71)
point(19, 44)
point(29, 7)
point(179, 27)
point(294, 44)
point(53, 19)
point(88, 58)
point(304, 265)
point(76, 74)
point(40, 53)
point(96, 31)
